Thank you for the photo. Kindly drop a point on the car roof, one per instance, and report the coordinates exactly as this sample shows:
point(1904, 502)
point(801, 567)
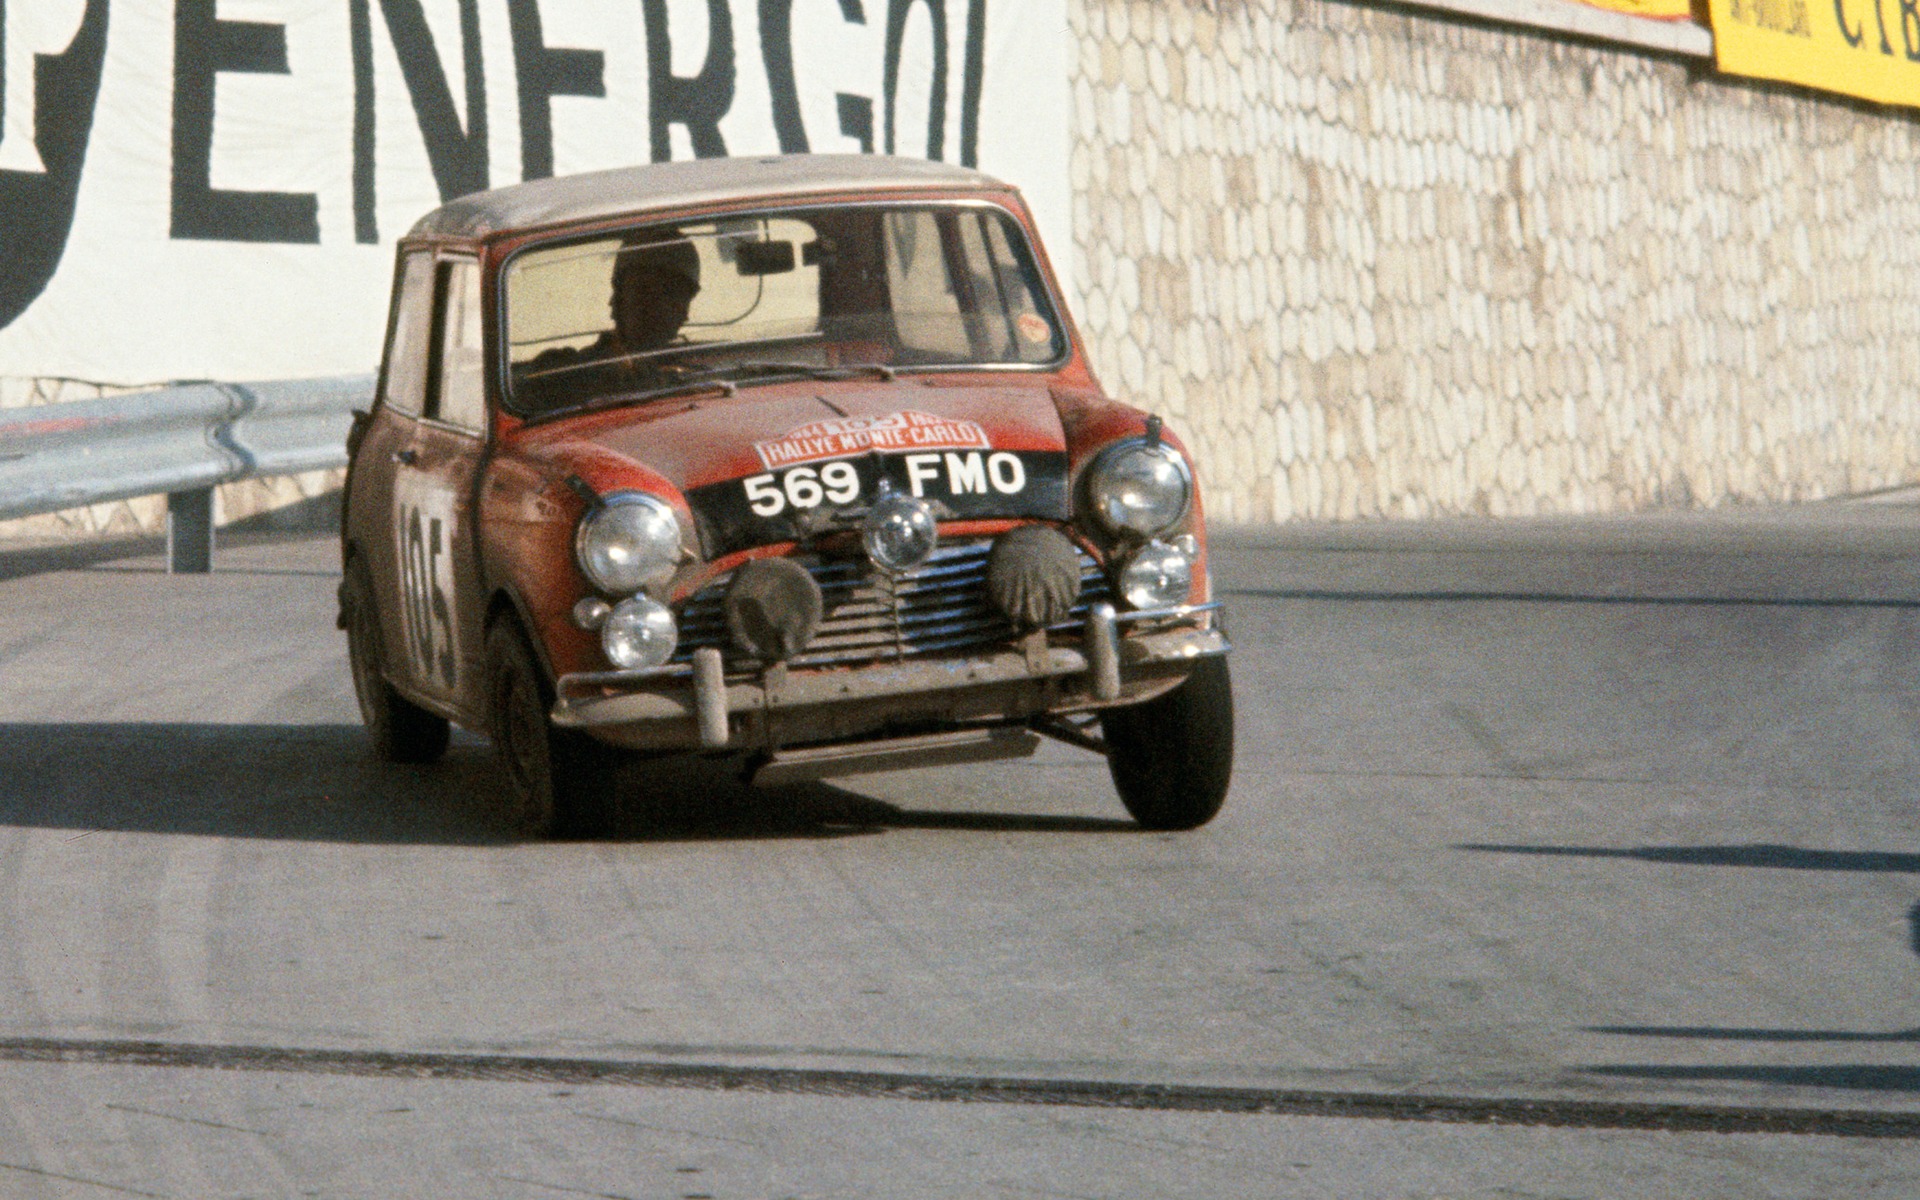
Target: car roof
point(601, 195)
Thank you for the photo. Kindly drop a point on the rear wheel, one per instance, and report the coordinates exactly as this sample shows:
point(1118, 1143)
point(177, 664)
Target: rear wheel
point(1172, 757)
point(401, 730)
point(559, 783)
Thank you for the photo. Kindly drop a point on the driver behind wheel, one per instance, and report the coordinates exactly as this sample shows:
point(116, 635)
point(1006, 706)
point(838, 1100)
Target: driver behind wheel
point(656, 276)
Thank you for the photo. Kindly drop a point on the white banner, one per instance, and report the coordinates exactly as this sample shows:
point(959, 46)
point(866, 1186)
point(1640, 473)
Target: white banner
point(211, 188)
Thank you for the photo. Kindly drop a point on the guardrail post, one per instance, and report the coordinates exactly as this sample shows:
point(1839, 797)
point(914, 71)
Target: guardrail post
point(190, 532)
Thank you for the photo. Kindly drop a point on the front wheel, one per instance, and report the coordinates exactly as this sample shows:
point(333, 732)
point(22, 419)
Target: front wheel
point(559, 783)
point(401, 730)
point(1172, 757)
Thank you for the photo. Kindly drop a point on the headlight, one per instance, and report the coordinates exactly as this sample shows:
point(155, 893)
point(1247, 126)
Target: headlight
point(1158, 576)
point(629, 542)
point(899, 532)
point(639, 632)
point(1139, 487)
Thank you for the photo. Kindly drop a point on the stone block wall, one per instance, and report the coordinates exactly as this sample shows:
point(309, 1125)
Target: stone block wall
point(1374, 264)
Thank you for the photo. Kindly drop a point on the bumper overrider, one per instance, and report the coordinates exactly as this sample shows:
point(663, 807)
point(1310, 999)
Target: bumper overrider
point(1114, 658)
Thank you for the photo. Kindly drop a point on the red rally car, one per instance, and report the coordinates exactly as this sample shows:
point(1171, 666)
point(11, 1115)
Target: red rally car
point(796, 460)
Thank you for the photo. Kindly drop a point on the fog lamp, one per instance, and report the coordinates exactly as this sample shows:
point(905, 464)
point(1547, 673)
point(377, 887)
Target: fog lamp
point(1157, 576)
point(638, 633)
point(899, 532)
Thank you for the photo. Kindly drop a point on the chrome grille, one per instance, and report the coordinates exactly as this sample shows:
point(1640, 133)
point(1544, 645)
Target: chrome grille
point(940, 605)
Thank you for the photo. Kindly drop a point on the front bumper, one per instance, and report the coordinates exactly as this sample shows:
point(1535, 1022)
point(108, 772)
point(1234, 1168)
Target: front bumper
point(698, 706)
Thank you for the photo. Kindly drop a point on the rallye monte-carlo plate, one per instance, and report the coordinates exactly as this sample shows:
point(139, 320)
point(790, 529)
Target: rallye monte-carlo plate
point(824, 475)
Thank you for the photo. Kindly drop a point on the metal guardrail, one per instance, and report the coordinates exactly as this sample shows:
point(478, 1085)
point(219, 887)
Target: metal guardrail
point(182, 441)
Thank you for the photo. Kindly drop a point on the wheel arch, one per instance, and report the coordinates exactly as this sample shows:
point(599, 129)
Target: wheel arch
point(505, 603)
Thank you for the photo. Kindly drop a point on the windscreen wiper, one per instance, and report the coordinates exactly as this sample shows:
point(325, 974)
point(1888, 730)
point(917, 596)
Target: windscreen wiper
point(756, 367)
point(619, 399)
point(721, 378)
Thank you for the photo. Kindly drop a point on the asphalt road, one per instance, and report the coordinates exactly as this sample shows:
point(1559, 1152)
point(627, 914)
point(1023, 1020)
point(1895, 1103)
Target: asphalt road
point(1549, 841)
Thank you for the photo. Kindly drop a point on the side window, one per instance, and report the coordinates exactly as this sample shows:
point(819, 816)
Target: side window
point(457, 393)
point(407, 344)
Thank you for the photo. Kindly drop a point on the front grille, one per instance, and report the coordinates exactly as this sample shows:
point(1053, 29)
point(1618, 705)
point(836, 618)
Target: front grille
point(940, 605)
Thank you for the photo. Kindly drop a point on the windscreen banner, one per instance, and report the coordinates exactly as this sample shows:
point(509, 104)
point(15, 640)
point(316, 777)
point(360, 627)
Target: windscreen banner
point(211, 189)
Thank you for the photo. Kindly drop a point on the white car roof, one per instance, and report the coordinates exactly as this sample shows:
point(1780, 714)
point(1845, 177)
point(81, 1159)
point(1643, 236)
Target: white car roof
point(635, 191)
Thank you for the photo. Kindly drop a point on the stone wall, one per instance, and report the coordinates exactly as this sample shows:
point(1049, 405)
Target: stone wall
point(1377, 264)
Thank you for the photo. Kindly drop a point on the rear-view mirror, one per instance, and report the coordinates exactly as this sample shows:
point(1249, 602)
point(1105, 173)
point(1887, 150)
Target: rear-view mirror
point(763, 258)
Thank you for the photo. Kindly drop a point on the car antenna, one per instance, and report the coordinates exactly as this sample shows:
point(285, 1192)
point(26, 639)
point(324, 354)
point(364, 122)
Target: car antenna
point(1153, 430)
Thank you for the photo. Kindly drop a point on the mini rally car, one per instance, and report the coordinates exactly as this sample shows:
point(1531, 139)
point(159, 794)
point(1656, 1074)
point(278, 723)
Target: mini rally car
point(796, 460)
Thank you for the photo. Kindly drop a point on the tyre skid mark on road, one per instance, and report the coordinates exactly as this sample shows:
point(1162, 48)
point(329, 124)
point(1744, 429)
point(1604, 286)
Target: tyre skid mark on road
point(1074, 1093)
point(111, 1187)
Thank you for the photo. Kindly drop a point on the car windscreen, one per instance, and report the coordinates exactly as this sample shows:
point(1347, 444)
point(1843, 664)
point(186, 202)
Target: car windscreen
point(755, 296)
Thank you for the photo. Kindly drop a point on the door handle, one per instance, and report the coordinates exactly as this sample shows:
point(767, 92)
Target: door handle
point(406, 458)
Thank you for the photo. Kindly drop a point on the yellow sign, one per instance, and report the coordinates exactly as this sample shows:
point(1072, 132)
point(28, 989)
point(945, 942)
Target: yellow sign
point(1658, 10)
point(1864, 48)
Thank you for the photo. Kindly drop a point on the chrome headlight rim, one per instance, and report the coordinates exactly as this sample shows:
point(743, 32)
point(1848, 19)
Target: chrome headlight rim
point(1096, 481)
point(655, 563)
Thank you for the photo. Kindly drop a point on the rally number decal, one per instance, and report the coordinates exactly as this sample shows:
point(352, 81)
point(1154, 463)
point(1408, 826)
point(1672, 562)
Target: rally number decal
point(803, 487)
point(945, 475)
point(426, 587)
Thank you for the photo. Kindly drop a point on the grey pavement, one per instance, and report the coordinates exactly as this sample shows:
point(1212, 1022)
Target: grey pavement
point(1560, 810)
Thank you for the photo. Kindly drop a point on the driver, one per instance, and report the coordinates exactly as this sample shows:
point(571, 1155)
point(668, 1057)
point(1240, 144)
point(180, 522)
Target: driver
point(654, 285)
point(655, 279)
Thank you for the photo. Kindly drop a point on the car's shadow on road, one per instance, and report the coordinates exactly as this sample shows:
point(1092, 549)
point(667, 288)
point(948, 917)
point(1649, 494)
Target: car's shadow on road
point(321, 783)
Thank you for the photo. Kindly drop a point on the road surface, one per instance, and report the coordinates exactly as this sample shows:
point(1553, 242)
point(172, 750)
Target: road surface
point(1564, 859)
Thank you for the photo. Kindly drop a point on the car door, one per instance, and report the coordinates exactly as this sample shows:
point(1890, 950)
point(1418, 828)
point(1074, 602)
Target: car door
point(434, 477)
point(385, 444)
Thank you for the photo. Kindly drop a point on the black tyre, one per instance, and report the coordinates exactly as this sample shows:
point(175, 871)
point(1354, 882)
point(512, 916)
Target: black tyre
point(401, 730)
point(559, 783)
point(1172, 757)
